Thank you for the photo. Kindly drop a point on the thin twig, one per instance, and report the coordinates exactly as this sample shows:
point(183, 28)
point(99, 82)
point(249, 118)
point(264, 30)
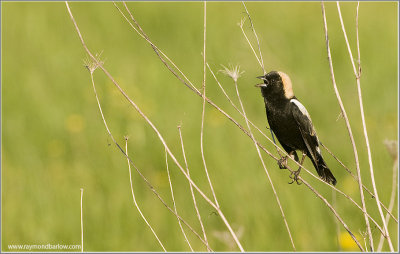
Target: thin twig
point(140, 31)
point(191, 187)
point(336, 221)
point(173, 201)
point(355, 178)
point(334, 212)
point(81, 219)
point(222, 216)
point(223, 90)
point(391, 204)
point(348, 127)
point(248, 41)
point(394, 188)
point(202, 129)
point(204, 104)
point(158, 51)
point(263, 164)
point(371, 168)
point(255, 34)
point(134, 198)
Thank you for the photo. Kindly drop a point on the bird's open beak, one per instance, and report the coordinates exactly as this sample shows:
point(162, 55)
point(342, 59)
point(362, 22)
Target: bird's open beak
point(261, 85)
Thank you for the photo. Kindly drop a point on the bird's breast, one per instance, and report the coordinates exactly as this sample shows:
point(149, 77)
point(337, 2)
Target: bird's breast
point(283, 124)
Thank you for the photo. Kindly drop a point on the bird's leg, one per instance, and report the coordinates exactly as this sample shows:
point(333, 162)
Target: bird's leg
point(282, 162)
point(294, 175)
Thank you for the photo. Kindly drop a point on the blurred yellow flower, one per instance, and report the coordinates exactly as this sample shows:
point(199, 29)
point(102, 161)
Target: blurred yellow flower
point(75, 123)
point(347, 243)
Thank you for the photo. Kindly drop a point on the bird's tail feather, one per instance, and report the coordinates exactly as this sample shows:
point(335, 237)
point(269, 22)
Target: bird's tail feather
point(322, 169)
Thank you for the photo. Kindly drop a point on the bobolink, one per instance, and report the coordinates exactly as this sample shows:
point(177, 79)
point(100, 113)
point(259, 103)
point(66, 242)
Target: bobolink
point(291, 123)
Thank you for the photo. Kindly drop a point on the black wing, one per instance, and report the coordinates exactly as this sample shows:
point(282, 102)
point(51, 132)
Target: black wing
point(306, 128)
point(311, 141)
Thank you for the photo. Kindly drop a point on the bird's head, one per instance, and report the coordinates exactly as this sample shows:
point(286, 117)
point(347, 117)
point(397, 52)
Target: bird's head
point(276, 83)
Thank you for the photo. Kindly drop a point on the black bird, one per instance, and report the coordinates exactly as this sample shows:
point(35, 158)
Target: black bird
point(291, 123)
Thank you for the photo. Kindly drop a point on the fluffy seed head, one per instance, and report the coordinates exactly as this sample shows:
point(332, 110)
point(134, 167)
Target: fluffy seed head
point(233, 72)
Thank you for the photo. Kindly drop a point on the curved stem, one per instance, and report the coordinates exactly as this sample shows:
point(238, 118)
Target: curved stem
point(357, 74)
point(348, 129)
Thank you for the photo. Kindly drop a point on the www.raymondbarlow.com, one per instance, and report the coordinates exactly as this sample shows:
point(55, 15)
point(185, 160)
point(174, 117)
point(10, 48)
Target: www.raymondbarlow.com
point(49, 246)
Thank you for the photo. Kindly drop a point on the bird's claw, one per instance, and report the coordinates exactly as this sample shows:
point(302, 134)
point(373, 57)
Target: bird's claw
point(282, 162)
point(295, 177)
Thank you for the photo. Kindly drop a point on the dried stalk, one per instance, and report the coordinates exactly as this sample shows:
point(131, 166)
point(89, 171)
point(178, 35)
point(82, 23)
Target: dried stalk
point(355, 178)
point(394, 188)
point(191, 187)
point(348, 129)
point(334, 212)
point(336, 222)
point(261, 61)
point(81, 219)
point(173, 201)
point(134, 198)
point(358, 76)
point(391, 204)
point(204, 104)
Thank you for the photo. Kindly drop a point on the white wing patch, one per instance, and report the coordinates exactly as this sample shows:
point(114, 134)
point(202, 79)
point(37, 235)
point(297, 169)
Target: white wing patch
point(301, 107)
point(305, 112)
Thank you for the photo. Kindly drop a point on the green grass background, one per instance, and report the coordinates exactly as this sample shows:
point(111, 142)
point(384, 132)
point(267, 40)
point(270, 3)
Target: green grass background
point(54, 142)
